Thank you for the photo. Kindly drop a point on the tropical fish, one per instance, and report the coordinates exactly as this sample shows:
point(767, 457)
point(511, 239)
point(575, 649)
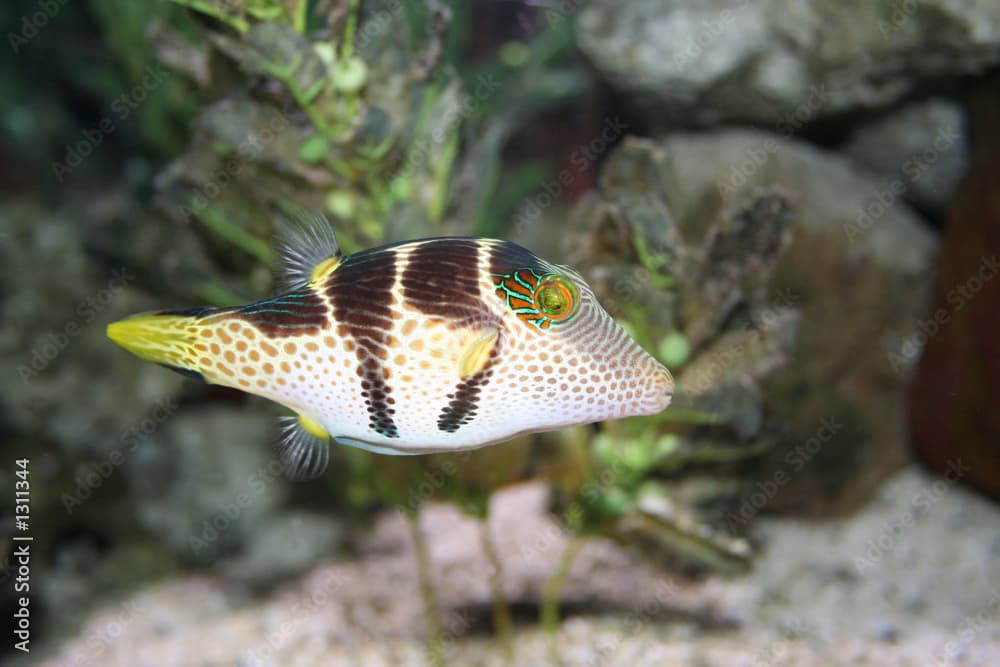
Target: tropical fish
point(433, 345)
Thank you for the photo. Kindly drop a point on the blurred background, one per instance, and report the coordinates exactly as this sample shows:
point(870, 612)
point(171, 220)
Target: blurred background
point(794, 206)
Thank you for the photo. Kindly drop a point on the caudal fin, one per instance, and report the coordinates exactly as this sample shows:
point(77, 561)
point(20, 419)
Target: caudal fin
point(168, 338)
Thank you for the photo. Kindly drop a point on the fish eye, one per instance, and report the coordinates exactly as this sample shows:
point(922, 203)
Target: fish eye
point(556, 297)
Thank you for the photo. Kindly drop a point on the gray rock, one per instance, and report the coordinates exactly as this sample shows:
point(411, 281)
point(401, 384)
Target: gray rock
point(287, 544)
point(858, 270)
point(830, 198)
point(781, 62)
point(205, 481)
point(62, 378)
point(925, 147)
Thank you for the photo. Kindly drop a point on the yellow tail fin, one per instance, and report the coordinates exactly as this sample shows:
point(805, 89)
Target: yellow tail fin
point(167, 338)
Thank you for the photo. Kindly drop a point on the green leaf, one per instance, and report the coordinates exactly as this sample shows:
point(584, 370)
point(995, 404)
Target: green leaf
point(349, 76)
point(612, 502)
point(515, 54)
point(341, 204)
point(313, 149)
point(674, 349)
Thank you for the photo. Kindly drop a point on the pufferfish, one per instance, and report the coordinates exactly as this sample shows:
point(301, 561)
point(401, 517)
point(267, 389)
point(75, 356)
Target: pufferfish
point(433, 345)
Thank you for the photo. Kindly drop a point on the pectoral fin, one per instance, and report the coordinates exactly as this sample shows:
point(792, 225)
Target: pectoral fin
point(477, 353)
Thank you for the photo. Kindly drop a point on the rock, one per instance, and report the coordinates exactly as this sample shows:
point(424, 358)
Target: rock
point(123, 477)
point(954, 398)
point(858, 271)
point(205, 481)
point(285, 545)
point(62, 379)
point(782, 63)
point(924, 146)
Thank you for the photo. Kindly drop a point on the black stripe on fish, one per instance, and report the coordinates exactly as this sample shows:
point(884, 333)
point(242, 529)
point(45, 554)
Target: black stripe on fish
point(461, 409)
point(441, 279)
point(361, 293)
point(296, 313)
point(292, 314)
point(198, 312)
point(507, 257)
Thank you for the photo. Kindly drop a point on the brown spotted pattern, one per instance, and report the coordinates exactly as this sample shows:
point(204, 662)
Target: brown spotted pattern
point(377, 351)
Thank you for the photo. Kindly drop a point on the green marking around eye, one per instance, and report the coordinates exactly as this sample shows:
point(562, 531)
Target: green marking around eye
point(540, 299)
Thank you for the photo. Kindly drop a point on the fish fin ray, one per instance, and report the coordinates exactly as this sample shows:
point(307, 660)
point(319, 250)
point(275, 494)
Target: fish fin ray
point(303, 453)
point(305, 239)
point(477, 354)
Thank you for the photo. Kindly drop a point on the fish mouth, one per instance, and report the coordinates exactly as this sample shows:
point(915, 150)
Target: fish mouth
point(668, 387)
point(161, 338)
point(661, 390)
point(141, 336)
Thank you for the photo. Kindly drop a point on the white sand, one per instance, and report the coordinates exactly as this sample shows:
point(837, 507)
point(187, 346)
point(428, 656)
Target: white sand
point(914, 579)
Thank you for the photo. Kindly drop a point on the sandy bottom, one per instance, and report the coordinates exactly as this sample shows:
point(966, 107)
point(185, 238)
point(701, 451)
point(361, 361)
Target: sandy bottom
point(914, 579)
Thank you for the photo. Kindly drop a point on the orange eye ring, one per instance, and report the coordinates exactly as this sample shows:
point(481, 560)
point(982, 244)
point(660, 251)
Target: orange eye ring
point(556, 297)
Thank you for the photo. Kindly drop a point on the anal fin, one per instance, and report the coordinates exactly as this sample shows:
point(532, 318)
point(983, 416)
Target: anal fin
point(304, 449)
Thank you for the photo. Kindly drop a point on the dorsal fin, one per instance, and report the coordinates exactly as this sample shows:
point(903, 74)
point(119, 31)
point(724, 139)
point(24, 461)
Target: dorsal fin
point(304, 240)
point(304, 448)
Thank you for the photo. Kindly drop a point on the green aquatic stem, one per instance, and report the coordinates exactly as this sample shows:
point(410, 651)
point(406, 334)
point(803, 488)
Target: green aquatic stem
point(690, 416)
point(217, 295)
point(652, 263)
point(502, 620)
point(371, 154)
point(303, 98)
point(488, 175)
point(236, 235)
point(403, 174)
point(309, 94)
point(381, 196)
point(350, 29)
point(432, 610)
point(553, 587)
point(340, 168)
point(208, 8)
point(442, 176)
point(300, 15)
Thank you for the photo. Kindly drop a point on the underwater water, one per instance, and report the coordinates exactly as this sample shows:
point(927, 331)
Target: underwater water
point(704, 371)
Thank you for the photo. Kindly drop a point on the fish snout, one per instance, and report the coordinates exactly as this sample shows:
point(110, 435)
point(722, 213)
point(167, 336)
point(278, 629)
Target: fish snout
point(163, 338)
point(659, 389)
